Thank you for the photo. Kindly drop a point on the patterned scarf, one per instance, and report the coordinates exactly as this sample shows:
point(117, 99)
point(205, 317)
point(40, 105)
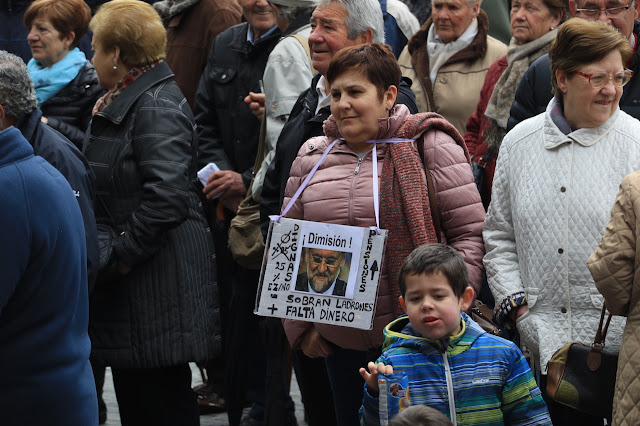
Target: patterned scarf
point(519, 57)
point(404, 206)
point(126, 81)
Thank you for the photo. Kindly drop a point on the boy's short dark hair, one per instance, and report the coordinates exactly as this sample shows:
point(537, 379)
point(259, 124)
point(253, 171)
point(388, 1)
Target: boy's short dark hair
point(432, 258)
point(420, 415)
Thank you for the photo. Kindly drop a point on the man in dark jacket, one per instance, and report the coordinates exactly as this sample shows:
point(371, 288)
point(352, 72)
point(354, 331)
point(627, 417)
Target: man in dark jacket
point(228, 134)
point(192, 25)
point(44, 306)
point(305, 121)
point(534, 91)
point(18, 98)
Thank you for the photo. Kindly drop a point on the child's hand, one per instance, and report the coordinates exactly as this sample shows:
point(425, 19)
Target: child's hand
point(371, 376)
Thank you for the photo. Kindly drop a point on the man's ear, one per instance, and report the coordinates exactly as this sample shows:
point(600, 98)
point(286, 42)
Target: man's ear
point(2, 118)
point(466, 299)
point(365, 37)
point(404, 307)
point(573, 5)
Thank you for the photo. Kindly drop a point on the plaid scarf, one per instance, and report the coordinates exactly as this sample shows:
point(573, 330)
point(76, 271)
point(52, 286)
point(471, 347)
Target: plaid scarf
point(404, 205)
point(126, 81)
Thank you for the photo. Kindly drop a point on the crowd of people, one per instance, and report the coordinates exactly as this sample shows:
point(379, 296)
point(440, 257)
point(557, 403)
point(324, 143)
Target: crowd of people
point(503, 169)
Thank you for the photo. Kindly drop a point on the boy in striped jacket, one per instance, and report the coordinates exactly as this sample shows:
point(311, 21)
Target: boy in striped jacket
point(441, 358)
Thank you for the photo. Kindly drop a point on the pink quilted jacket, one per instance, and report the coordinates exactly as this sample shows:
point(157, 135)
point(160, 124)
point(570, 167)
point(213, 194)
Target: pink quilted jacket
point(337, 194)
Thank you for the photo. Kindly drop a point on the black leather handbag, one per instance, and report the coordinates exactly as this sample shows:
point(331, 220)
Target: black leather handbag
point(583, 377)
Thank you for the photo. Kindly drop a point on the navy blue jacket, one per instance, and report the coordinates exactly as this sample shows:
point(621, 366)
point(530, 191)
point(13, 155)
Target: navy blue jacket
point(64, 156)
point(45, 375)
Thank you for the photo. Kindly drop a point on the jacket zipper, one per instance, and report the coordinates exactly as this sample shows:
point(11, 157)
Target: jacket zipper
point(452, 402)
point(357, 170)
point(352, 190)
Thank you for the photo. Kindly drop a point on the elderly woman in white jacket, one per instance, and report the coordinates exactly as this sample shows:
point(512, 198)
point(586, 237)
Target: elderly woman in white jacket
point(556, 179)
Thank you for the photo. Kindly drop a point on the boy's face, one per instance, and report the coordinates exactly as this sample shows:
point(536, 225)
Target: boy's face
point(433, 308)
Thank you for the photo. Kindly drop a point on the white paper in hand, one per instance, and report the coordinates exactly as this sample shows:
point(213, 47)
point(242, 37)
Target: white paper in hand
point(205, 172)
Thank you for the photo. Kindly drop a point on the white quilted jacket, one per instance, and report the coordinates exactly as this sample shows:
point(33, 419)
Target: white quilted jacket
point(551, 201)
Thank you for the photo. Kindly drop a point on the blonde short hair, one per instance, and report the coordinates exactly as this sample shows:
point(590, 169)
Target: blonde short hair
point(580, 42)
point(134, 27)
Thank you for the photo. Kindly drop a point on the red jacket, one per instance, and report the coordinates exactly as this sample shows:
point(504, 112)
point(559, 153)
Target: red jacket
point(336, 195)
point(478, 124)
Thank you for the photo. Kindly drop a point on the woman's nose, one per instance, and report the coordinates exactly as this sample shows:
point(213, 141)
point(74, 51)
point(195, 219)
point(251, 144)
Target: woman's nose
point(343, 103)
point(609, 87)
point(32, 35)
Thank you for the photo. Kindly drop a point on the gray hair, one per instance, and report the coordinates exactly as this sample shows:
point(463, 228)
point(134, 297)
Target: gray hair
point(292, 12)
point(17, 94)
point(361, 16)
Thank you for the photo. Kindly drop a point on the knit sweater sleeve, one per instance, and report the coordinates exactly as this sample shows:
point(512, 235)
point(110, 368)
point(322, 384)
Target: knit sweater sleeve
point(461, 211)
point(522, 402)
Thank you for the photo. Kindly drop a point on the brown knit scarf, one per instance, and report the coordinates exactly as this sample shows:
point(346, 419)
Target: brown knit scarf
point(404, 205)
point(133, 74)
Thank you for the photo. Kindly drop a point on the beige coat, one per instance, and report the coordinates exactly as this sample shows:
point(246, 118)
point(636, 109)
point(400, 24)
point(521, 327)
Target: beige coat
point(615, 267)
point(457, 86)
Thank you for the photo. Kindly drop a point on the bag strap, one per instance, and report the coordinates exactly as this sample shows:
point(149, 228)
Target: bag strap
point(433, 204)
point(305, 44)
point(594, 359)
point(601, 334)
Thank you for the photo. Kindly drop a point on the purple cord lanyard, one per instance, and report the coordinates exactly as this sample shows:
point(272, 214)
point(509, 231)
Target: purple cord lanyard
point(376, 189)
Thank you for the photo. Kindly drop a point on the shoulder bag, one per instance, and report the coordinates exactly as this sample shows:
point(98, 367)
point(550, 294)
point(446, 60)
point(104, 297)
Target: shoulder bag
point(245, 238)
point(583, 376)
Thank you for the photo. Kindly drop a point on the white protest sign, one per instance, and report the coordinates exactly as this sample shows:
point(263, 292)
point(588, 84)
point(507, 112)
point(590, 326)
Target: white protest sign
point(321, 272)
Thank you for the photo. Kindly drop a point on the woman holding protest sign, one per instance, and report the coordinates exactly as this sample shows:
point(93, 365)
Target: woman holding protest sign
point(367, 136)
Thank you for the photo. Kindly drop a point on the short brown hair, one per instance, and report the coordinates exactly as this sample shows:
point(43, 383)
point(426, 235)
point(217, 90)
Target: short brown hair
point(66, 16)
point(580, 42)
point(374, 60)
point(434, 258)
point(134, 27)
point(420, 415)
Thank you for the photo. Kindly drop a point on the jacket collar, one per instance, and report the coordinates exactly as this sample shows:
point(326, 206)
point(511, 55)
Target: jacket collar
point(28, 124)
point(170, 8)
point(240, 44)
point(13, 146)
point(297, 23)
point(119, 108)
point(399, 333)
point(554, 137)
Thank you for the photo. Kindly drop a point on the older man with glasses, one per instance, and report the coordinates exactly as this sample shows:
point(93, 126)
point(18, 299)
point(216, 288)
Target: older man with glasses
point(534, 92)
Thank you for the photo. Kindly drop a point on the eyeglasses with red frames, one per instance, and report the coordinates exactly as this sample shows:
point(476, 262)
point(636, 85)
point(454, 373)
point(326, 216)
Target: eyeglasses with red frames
point(599, 79)
point(611, 12)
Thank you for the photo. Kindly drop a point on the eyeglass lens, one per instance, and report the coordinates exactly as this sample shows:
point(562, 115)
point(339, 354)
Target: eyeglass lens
point(330, 261)
point(600, 79)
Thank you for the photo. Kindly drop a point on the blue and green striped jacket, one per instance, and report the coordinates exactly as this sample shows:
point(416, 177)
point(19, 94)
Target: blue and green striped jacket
point(474, 378)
